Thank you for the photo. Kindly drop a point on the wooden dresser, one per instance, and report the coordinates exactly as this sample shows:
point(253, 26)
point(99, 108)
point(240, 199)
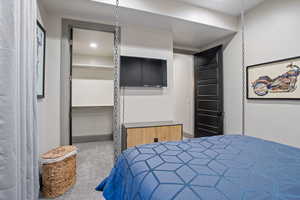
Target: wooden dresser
point(149, 132)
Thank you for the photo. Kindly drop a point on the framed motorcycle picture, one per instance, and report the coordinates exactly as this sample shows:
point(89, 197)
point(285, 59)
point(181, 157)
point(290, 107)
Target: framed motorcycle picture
point(277, 80)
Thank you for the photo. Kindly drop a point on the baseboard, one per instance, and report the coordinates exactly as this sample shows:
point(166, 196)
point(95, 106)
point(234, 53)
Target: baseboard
point(91, 138)
point(187, 135)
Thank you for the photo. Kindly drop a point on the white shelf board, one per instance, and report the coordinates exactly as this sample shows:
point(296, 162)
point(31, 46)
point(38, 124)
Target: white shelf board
point(87, 79)
point(93, 66)
point(89, 106)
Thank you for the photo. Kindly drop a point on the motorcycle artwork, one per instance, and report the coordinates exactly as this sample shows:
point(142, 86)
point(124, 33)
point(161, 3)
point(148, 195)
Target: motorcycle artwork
point(283, 83)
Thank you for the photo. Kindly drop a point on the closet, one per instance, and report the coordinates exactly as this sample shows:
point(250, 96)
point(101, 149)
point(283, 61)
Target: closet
point(92, 86)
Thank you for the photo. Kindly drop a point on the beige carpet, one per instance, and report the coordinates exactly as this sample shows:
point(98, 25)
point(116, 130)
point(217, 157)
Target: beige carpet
point(94, 163)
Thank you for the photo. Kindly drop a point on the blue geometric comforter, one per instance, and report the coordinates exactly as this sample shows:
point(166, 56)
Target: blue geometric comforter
point(227, 167)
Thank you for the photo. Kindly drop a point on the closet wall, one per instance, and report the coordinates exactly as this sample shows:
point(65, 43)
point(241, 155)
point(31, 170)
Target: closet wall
point(92, 85)
point(184, 91)
point(92, 96)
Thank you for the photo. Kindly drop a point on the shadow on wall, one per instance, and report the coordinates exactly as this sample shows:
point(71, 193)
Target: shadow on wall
point(144, 91)
point(223, 41)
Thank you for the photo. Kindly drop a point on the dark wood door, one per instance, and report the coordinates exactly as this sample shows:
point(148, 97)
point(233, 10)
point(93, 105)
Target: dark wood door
point(209, 92)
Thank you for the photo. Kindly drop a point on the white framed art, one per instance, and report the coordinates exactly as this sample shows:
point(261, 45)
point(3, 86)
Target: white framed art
point(274, 80)
point(40, 60)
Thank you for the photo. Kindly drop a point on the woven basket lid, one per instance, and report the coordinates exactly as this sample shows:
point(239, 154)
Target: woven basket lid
point(58, 152)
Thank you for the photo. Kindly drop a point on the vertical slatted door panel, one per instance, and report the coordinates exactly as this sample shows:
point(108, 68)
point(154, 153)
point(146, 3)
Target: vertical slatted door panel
point(209, 93)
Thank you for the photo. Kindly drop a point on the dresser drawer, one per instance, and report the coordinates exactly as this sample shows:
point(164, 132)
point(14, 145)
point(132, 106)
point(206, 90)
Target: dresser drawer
point(139, 136)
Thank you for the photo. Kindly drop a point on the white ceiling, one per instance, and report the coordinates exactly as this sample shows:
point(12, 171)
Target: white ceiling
point(231, 7)
point(83, 38)
point(185, 33)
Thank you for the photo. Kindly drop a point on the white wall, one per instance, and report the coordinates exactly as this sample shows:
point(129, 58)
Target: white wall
point(98, 73)
point(92, 121)
point(141, 104)
point(232, 61)
point(275, 36)
point(49, 107)
point(148, 104)
point(272, 33)
point(93, 60)
point(92, 83)
point(184, 91)
point(87, 93)
point(92, 87)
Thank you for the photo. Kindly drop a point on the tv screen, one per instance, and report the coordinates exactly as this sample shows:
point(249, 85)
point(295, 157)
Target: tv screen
point(143, 72)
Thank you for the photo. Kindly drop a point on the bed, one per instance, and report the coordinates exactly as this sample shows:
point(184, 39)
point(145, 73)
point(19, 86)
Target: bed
point(227, 167)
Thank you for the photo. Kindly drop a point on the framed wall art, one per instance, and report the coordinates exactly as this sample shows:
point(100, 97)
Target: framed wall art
point(274, 80)
point(40, 60)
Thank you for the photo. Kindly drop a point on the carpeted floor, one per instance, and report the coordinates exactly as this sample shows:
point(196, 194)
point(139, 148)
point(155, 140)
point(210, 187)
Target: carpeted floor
point(94, 162)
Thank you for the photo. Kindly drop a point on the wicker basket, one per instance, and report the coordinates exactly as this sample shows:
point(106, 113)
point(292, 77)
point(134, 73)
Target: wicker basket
point(58, 171)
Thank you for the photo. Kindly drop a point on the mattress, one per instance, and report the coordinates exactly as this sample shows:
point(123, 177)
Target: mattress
point(227, 167)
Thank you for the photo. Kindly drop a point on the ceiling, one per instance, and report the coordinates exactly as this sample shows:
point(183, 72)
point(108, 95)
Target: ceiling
point(230, 7)
point(186, 34)
point(82, 39)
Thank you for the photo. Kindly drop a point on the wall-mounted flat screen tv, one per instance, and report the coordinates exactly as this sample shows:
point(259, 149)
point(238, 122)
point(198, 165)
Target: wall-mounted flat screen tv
point(143, 72)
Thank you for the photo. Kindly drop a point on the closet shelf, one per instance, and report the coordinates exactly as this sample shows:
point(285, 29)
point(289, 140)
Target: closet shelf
point(91, 106)
point(93, 66)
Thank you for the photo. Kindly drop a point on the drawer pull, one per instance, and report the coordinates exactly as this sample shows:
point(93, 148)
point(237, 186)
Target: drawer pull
point(155, 139)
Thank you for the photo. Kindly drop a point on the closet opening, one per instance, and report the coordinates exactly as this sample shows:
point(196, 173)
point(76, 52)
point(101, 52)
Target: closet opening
point(91, 86)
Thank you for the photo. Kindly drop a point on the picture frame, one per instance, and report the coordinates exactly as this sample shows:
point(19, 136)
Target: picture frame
point(275, 80)
point(40, 60)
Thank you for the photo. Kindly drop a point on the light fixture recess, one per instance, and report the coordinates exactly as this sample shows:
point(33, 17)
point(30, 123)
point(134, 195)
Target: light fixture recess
point(93, 45)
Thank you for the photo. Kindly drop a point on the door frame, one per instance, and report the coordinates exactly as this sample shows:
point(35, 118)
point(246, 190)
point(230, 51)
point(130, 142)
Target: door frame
point(66, 72)
point(220, 75)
